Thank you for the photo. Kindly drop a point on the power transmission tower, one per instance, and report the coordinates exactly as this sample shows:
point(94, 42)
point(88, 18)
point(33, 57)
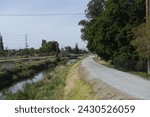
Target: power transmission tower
point(26, 41)
point(26, 45)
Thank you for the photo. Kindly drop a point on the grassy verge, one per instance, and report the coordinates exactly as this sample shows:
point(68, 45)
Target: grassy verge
point(105, 63)
point(76, 87)
point(64, 82)
point(20, 59)
point(52, 87)
point(142, 74)
point(22, 71)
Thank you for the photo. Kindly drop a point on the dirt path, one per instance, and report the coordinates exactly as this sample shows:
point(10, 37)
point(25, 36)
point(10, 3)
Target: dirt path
point(80, 85)
point(121, 84)
point(114, 84)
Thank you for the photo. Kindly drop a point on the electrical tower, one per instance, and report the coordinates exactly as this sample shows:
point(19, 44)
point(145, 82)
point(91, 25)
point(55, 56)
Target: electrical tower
point(26, 46)
point(26, 41)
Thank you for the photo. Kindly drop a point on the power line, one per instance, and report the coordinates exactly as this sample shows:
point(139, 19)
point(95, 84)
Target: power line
point(47, 14)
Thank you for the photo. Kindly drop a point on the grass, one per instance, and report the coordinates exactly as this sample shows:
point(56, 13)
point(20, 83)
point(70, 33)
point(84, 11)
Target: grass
point(64, 82)
point(22, 59)
point(105, 63)
point(51, 88)
point(142, 74)
point(22, 71)
point(81, 91)
point(76, 87)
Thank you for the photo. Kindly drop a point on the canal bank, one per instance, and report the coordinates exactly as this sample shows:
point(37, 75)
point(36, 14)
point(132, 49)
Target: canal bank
point(21, 85)
point(23, 71)
point(51, 87)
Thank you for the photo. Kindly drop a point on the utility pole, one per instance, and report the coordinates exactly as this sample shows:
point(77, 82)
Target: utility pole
point(147, 8)
point(147, 21)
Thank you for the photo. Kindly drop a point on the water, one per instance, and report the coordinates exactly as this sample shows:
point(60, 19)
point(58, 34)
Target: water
point(72, 61)
point(20, 85)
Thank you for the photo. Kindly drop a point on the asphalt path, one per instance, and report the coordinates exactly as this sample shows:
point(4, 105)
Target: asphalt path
point(125, 82)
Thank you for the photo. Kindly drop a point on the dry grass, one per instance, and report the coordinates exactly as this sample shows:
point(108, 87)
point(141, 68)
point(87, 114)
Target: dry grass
point(76, 88)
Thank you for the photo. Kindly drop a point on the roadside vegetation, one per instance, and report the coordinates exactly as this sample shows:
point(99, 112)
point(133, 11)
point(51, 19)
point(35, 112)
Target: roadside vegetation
point(144, 75)
point(117, 32)
point(16, 65)
point(21, 71)
point(76, 87)
point(56, 86)
point(52, 87)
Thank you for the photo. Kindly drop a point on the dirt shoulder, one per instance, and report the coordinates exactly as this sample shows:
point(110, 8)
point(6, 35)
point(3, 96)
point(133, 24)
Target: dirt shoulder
point(103, 90)
point(80, 85)
point(76, 88)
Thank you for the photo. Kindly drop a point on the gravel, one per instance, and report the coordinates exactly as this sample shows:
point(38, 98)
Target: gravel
point(125, 82)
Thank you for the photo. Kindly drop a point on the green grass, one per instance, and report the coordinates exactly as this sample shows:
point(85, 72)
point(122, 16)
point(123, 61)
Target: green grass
point(141, 74)
point(22, 59)
point(51, 88)
point(103, 62)
point(23, 71)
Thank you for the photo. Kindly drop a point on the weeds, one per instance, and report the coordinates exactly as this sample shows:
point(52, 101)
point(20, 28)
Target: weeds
point(52, 87)
point(22, 71)
point(107, 64)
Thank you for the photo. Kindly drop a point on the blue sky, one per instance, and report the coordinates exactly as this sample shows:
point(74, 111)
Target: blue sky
point(62, 28)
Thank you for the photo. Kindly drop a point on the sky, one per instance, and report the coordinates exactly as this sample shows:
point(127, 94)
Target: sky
point(61, 28)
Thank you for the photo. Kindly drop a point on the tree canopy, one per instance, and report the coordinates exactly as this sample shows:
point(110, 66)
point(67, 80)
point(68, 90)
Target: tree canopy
point(142, 39)
point(49, 47)
point(108, 28)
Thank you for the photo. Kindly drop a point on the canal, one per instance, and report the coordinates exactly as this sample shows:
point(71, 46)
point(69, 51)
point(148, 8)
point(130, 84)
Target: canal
point(20, 85)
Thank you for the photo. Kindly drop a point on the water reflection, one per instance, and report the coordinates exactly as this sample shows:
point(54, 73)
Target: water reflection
point(20, 85)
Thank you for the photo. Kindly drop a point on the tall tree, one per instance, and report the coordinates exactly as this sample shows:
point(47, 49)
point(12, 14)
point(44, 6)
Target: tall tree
point(142, 41)
point(50, 47)
point(1, 43)
point(95, 9)
point(76, 49)
point(68, 49)
point(110, 31)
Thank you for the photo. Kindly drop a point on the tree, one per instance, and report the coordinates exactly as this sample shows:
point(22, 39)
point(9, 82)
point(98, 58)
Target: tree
point(142, 41)
point(1, 43)
point(68, 49)
point(49, 47)
point(43, 46)
point(76, 49)
point(109, 33)
point(95, 9)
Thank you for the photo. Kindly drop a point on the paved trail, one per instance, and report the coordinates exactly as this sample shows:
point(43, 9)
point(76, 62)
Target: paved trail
point(125, 82)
